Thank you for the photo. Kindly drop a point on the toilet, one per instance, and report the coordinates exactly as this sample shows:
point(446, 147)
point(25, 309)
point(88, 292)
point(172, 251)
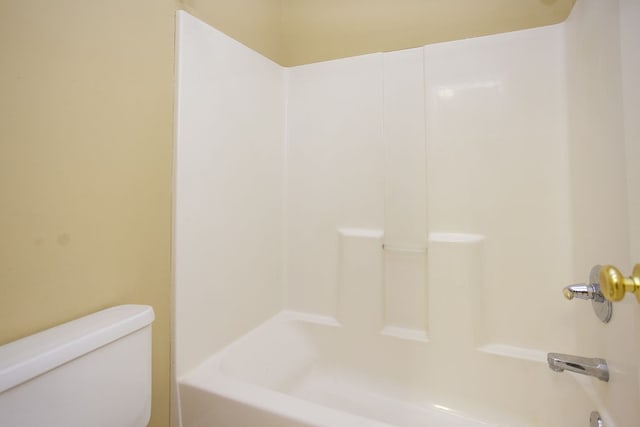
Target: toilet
point(91, 372)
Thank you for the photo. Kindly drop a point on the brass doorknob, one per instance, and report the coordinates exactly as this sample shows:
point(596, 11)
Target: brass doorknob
point(614, 284)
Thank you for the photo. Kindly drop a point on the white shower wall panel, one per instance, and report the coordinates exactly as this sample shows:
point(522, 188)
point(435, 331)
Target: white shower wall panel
point(498, 166)
point(468, 138)
point(424, 206)
point(405, 206)
point(596, 138)
point(403, 128)
point(228, 190)
point(455, 145)
point(335, 163)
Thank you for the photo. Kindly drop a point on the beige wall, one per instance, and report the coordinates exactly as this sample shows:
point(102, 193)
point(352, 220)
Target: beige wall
point(295, 32)
point(318, 30)
point(85, 165)
point(254, 23)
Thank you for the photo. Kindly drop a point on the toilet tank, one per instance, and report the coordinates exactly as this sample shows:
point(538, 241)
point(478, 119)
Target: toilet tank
point(91, 372)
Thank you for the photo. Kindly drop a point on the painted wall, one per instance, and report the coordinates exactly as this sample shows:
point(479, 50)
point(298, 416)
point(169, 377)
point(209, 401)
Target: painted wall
point(85, 166)
point(254, 23)
point(296, 32)
point(228, 190)
point(320, 30)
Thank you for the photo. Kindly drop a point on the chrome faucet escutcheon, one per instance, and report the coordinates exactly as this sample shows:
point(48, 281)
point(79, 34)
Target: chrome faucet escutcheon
point(591, 291)
point(593, 367)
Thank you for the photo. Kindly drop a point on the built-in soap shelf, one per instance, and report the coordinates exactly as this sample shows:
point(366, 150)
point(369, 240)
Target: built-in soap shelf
point(405, 333)
point(389, 289)
point(405, 292)
point(404, 249)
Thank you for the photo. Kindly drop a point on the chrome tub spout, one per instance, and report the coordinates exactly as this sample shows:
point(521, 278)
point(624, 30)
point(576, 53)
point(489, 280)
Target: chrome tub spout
point(593, 367)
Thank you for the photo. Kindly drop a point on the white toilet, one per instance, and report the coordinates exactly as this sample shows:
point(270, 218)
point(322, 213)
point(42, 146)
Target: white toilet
point(91, 372)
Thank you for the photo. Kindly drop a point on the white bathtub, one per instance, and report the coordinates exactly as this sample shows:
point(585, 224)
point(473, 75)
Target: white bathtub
point(302, 370)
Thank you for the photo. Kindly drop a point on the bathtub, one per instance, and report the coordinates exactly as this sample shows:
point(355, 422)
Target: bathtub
point(298, 369)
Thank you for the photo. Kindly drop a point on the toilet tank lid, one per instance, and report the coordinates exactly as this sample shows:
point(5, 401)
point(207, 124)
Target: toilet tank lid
point(36, 354)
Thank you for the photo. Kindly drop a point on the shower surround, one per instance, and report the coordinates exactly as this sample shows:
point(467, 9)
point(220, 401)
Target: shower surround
point(388, 234)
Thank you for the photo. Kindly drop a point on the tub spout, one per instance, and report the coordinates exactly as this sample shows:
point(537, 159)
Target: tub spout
point(593, 367)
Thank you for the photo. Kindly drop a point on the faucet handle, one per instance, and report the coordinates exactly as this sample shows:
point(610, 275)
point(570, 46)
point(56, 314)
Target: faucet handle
point(581, 291)
point(591, 291)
